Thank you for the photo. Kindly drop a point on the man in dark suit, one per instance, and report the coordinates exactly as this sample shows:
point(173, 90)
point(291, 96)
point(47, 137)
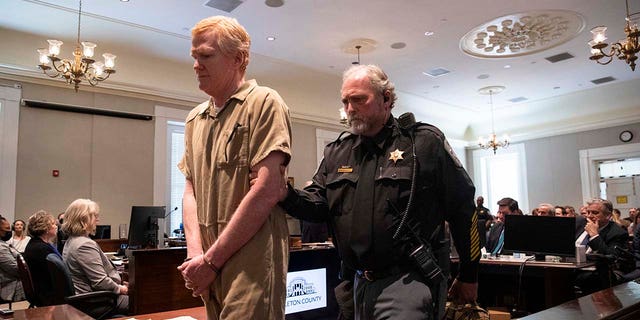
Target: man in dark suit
point(581, 223)
point(495, 239)
point(601, 236)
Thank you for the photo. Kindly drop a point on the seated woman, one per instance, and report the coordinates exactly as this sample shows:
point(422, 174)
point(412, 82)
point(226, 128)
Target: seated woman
point(90, 268)
point(42, 228)
point(10, 286)
point(20, 238)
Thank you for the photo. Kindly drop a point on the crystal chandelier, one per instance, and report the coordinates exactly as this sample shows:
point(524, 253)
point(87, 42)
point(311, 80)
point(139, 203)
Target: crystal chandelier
point(624, 49)
point(82, 66)
point(492, 142)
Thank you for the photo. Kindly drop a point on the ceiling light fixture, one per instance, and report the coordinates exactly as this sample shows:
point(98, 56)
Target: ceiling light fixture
point(624, 49)
point(522, 33)
point(492, 142)
point(274, 3)
point(82, 66)
point(358, 49)
point(344, 119)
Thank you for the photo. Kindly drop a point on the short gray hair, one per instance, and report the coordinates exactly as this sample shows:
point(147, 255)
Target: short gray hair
point(607, 206)
point(379, 79)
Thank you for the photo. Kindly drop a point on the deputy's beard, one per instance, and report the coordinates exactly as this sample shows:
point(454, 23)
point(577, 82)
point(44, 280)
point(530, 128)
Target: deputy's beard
point(358, 125)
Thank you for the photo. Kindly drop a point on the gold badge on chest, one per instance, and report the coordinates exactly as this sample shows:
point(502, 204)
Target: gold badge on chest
point(396, 155)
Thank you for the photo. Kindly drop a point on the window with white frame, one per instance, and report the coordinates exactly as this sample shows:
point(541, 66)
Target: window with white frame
point(501, 175)
point(168, 150)
point(175, 138)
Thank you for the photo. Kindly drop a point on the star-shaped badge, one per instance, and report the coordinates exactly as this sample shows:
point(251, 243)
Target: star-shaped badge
point(396, 155)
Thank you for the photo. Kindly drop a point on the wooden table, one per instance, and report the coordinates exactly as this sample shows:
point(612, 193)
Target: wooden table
point(198, 313)
point(155, 284)
point(619, 302)
point(57, 312)
point(543, 284)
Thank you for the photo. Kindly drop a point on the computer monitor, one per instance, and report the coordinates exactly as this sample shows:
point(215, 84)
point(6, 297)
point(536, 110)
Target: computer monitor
point(103, 231)
point(540, 235)
point(143, 226)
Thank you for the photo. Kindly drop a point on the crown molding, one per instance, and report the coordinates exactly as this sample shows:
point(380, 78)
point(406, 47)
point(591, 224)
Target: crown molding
point(20, 74)
point(563, 129)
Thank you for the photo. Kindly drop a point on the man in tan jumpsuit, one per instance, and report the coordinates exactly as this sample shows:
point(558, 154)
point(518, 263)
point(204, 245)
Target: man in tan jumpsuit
point(237, 238)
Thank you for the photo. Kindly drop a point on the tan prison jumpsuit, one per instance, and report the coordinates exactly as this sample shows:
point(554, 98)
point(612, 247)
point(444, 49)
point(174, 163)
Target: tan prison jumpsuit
point(220, 149)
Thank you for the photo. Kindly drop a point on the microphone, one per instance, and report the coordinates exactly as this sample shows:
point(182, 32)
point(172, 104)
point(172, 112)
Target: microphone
point(406, 120)
point(170, 212)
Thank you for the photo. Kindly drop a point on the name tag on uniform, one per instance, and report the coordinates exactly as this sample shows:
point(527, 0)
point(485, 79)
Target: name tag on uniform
point(345, 169)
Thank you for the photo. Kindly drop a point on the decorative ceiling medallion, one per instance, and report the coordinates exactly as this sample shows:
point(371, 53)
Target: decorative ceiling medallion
point(523, 33)
point(366, 46)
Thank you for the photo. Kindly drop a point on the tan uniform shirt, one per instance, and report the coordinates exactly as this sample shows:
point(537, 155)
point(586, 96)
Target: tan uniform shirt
point(220, 150)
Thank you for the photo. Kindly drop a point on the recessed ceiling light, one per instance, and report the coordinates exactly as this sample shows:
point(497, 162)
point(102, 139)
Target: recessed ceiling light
point(507, 66)
point(124, 0)
point(271, 38)
point(429, 33)
point(483, 76)
point(274, 3)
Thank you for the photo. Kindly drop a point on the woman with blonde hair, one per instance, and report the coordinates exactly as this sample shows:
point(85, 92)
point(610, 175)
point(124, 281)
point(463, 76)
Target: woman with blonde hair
point(42, 228)
point(90, 268)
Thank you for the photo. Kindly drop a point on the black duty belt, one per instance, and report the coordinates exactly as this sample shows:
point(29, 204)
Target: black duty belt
point(373, 275)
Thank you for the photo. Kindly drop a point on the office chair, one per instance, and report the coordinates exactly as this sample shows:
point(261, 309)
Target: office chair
point(27, 281)
point(98, 304)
